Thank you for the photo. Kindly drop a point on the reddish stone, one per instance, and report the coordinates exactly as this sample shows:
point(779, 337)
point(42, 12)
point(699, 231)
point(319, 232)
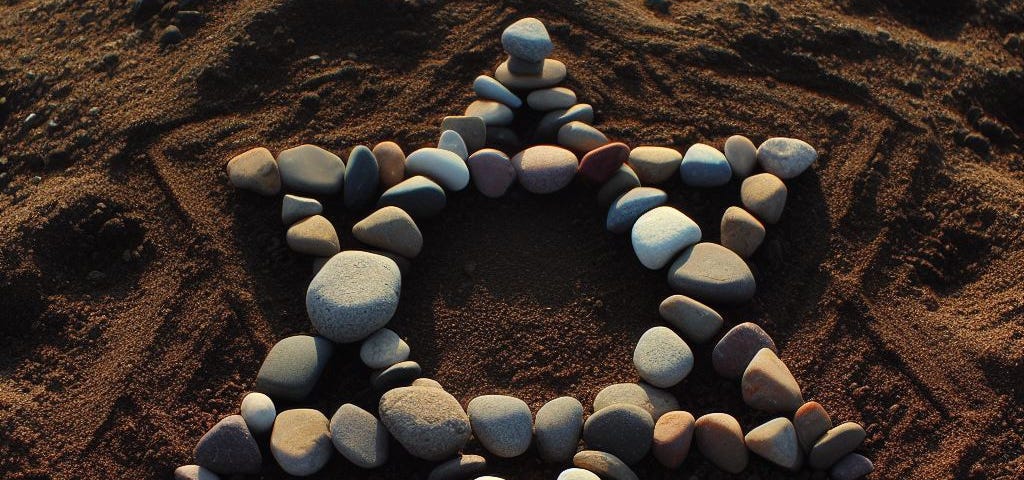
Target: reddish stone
point(601, 163)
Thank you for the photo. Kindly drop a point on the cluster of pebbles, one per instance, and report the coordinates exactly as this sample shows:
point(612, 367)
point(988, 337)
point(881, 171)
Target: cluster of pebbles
point(355, 293)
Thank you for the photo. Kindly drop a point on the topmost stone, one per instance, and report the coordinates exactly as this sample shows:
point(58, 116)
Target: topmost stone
point(527, 39)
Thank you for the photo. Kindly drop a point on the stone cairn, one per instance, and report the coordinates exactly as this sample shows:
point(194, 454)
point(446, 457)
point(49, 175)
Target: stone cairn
point(355, 293)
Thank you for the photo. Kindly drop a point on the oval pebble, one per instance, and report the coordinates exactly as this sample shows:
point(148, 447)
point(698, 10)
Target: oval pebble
point(698, 322)
point(764, 195)
point(655, 401)
point(495, 114)
point(259, 413)
point(451, 140)
point(255, 170)
point(741, 154)
point(552, 74)
point(704, 166)
point(811, 422)
point(599, 164)
point(621, 182)
point(720, 439)
point(313, 236)
point(301, 441)
point(851, 467)
point(785, 157)
point(398, 375)
point(194, 472)
point(654, 165)
point(835, 444)
point(580, 137)
point(577, 474)
point(362, 177)
point(737, 347)
point(557, 428)
point(604, 464)
point(491, 89)
point(528, 39)
point(459, 468)
point(662, 358)
point(390, 228)
point(502, 424)
point(544, 168)
point(711, 272)
point(293, 366)
point(673, 434)
point(622, 430)
point(419, 196)
point(295, 208)
point(660, 234)
point(492, 172)
point(630, 206)
point(427, 421)
point(442, 166)
point(353, 295)
point(383, 349)
point(228, 448)
point(472, 130)
point(311, 169)
point(359, 436)
point(741, 232)
point(551, 122)
point(548, 99)
point(391, 161)
point(776, 442)
point(769, 386)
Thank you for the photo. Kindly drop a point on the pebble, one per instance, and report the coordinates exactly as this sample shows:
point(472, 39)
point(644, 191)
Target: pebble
point(502, 424)
point(654, 164)
point(419, 196)
point(811, 422)
point(427, 382)
point(293, 366)
point(194, 472)
point(545, 168)
point(489, 88)
point(301, 441)
point(359, 436)
point(552, 74)
point(451, 140)
point(547, 99)
point(662, 358)
point(557, 427)
point(776, 442)
point(353, 295)
point(625, 211)
point(741, 232)
point(311, 169)
point(255, 170)
point(580, 137)
point(427, 421)
point(621, 182)
point(698, 322)
point(720, 440)
point(313, 236)
point(552, 121)
point(295, 208)
point(768, 385)
point(672, 437)
point(704, 166)
point(391, 160)
point(504, 139)
point(622, 430)
point(785, 157)
point(712, 272)
point(391, 229)
point(741, 154)
point(601, 163)
point(459, 468)
point(764, 195)
point(527, 39)
point(655, 401)
point(171, 35)
point(492, 172)
point(383, 349)
point(604, 464)
point(577, 474)
point(398, 375)
point(495, 114)
point(519, 66)
point(737, 347)
point(442, 166)
point(660, 234)
point(228, 448)
point(834, 445)
point(472, 130)
point(258, 412)
point(362, 177)
point(851, 467)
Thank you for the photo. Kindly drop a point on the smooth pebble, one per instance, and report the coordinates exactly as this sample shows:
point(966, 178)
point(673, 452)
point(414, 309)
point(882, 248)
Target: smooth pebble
point(711, 272)
point(494, 113)
point(545, 168)
point(741, 232)
point(623, 430)
point(502, 424)
point(599, 164)
point(547, 99)
point(459, 468)
point(661, 233)
point(785, 157)
point(400, 374)
point(301, 441)
point(451, 140)
point(662, 358)
point(255, 170)
point(835, 444)
point(851, 467)
point(720, 439)
point(472, 130)
point(427, 421)
point(419, 196)
point(353, 295)
point(625, 211)
point(737, 347)
point(313, 236)
point(528, 39)
point(741, 154)
point(391, 161)
point(696, 321)
point(704, 166)
point(764, 195)
point(492, 172)
point(362, 177)
point(293, 366)
point(491, 89)
point(295, 208)
point(557, 428)
point(768, 385)
point(446, 168)
point(383, 349)
point(673, 434)
point(390, 228)
point(359, 436)
point(776, 442)
point(811, 422)
point(552, 74)
point(229, 448)
point(654, 165)
point(258, 412)
point(622, 181)
point(580, 137)
point(606, 465)
point(311, 169)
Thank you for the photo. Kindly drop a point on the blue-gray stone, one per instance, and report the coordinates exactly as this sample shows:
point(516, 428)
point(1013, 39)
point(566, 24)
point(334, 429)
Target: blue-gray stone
point(353, 295)
point(489, 88)
point(229, 448)
point(397, 375)
point(623, 430)
point(711, 272)
point(453, 142)
point(631, 205)
point(785, 157)
point(293, 367)
point(362, 175)
point(419, 196)
point(704, 166)
point(527, 39)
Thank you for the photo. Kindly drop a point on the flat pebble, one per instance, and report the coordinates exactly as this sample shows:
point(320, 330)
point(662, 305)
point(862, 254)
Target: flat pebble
point(720, 439)
point(442, 166)
point(741, 154)
point(301, 441)
point(419, 196)
point(661, 233)
point(768, 385)
point(391, 229)
point(295, 208)
point(673, 434)
point(427, 421)
point(741, 232)
point(359, 436)
point(311, 169)
point(835, 444)
point(391, 161)
point(764, 195)
point(557, 428)
point(194, 472)
point(604, 464)
point(547, 99)
point(811, 422)
point(383, 349)
point(545, 168)
point(551, 122)
point(451, 140)
point(785, 157)
point(624, 212)
point(472, 130)
point(552, 74)
point(398, 375)
point(599, 164)
point(491, 89)
point(258, 412)
point(776, 442)
point(737, 347)
point(711, 272)
point(459, 468)
point(654, 165)
point(313, 236)
point(492, 172)
point(622, 430)
point(362, 177)
point(353, 295)
point(580, 137)
point(704, 166)
point(229, 448)
point(851, 467)
point(696, 321)
point(577, 474)
point(662, 358)
point(621, 182)
point(495, 114)
point(293, 366)
point(255, 170)
point(655, 401)
point(502, 424)
point(528, 39)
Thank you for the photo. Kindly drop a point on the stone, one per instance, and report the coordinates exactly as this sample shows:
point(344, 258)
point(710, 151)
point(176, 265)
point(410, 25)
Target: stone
point(491, 89)
point(492, 172)
point(704, 166)
point(228, 448)
point(764, 195)
point(301, 441)
point(601, 163)
point(673, 434)
point(557, 428)
point(625, 211)
point(741, 154)
point(737, 348)
point(171, 35)
point(580, 137)
point(459, 468)
point(311, 169)
point(495, 114)
point(833, 446)
point(662, 358)
point(258, 412)
point(662, 401)
point(577, 474)
point(427, 421)
point(622, 430)
point(359, 436)
point(295, 208)
point(621, 182)
point(811, 422)
point(362, 177)
point(654, 165)
point(353, 295)
point(851, 467)
point(776, 442)
point(527, 39)
point(551, 122)
point(427, 382)
point(194, 472)
point(391, 161)
point(502, 424)
point(519, 66)
point(655, 401)
point(504, 139)
point(472, 130)
point(383, 349)
point(741, 232)
point(785, 157)
point(768, 385)
point(442, 166)
point(661, 233)
point(604, 464)
point(696, 321)
point(255, 170)
point(293, 366)
point(419, 196)
point(398, 375)
point(451, 140)
point(547, 99)
point(720, 440)
point(545, 168)
point(403, 263)
point(391, 229)
point(313, 236)
point(552, 74)
point(711, 272)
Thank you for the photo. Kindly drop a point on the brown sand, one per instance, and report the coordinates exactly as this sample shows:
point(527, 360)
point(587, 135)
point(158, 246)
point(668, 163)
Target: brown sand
point(139, 292)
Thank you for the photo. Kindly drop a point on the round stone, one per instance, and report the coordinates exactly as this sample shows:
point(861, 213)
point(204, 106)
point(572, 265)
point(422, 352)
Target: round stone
point(442, 166)
point(580, 137)
point(662, 358)
point(194, 472)
point(419, 196)
point(383, 349)
point(654, 164)
point(362, 177)
point(741, 154)
point(459, 468)
point(704, 166)
point(472, 130)
point(494, 113)
point(502, 424)
point(427, 421)
point(557, 428)
point(391, 160)
point(527, 39)
point(601, 163)
point(391, 229)
point(673, 434)
point(293, 366)
point(621, 182)
point(834, 445)
point(765, 196)
point(698, 322)
point(720, 440)
point(545, 168)
point(776, 442)
point(491, 89)
point(255, 170)
point(851, 467)
point(313, 236)
point(295, 208)
point(397, 375)
point(552, 74)
point(660, 234)
point(353, 295)
point(712, 272)
point(630, 206)
point(451, 140)
point(258, 412)
point(655, 401)
point(811, 422)
point(547, 99)
point(604, 464)
point(229, 448)
point(741, 232)
point(311, 169)
point(622, 430)
point(737, 348)
point(492, 172)
point(577, 474)
point(785, 157)
point(359, 436)
point(301, 441)
point(551, 122)
point(768, 384)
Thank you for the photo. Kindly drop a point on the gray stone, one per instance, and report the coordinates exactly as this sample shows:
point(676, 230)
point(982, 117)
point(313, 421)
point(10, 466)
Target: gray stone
point(577, 474)
point(229, 448)
point(604, 464)
point(472, 130)
point(662, 358)
point(362, 177)
point(194, 472)
point(451, 140)
point(698, 322)
point(311, 169)
point(301, 441)
point(359, 436)
point(557, 427)
point(545, 168)
point(293, 367)
point(255, 170)
point(391, 229)
point(259, 412)
point(630, 206)
point(491, 89)
point(654, 165)
point(383, 349)
point(741, 232)
point(295, 208)
point(622, 430)
point(494, 113)
point(397, 375)
point(851, 467)
point(655, 401)
point(419, 196)
point(704, 166)
point(459, 468)
point(741, 154)
point(785, 157)
point(621, 182)
point(720, 439)
point(737, 347)
point(768, 385)
point(502, 424)
point(353, 295)
point(776, 442)
point(446, 168)
point(492, 172)
point(811, 422)
point(765, 196)
point(580, 137)
point(547, 99)
point(711, 272)
point(427, 421)
point(551, 122)
point(662, 401)
point(552, 74)
point(661, 233)
point(313, 236)
point(527, 39)
point(834, 445)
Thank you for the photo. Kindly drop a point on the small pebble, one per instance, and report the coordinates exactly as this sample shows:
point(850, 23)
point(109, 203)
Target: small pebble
point(545, 169)
point(547, 99)
point(359, 436)
point(851, 467)
point(293, 366)
point(194, 472)
point(557, 427)
point(489, 88)
point(552, 74)
point(313, 236)
point(698, 322)
point(606, 465)
point(580, 137)
point(442, 166)
point(398, 375)
point(623, 430)
point(720, 439)
point(311, 169)
point(835, 444)
point(599, 164)
point(654, 165)
point(672, 437)
point(295, 208)
point(741, 232)
point(577, 474)
point(472, 130)
point(711, 272)
point(258, 412)
point(428, 422)
point(255, 170)
point(737, 347)
point(391, 229)
point(362, 177)
point(354, 294)
point(764, 195)
point(625, 211)
point(502, 424)
point(547, 127)
point(518, 66)
point(419, 196)
point(427, 382)
point(811, 422)
point(527, 39)
point(785, 157)
point(662, 358)
point(451, 140)
point(492, 172)
point(383, 349)
point(621, 182)
point(660, 234)
point(459, 468)
point(768, 385)
point(776, 442)
point(655, 401)
point(391, 160)
point(495, 114)
point(741, 154)
point(228, 448)
point(171, 35)
point(704, 166)
point(301, 441)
